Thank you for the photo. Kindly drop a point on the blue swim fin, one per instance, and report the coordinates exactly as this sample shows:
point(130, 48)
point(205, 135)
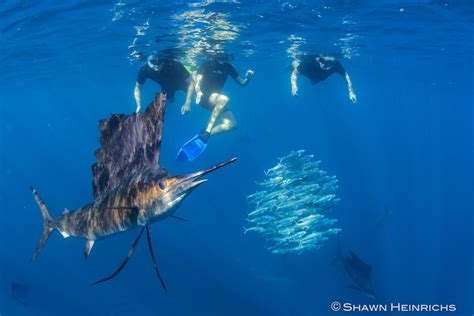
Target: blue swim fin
point(192, 149)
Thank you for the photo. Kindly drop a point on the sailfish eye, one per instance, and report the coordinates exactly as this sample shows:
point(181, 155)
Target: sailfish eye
point(161, 184)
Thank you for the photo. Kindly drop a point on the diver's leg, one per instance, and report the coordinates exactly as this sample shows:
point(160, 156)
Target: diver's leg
point(228, 123)
point(219, 102)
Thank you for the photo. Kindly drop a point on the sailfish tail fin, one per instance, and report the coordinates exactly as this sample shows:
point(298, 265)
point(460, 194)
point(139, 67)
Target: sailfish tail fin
point(48, 224)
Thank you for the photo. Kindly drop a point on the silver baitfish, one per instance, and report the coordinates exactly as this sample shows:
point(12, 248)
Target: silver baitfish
point(291, 208)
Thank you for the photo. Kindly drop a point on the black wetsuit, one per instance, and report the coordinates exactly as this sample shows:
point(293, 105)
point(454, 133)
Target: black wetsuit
point(171, 76)
point(214, 75)
point(316, 72)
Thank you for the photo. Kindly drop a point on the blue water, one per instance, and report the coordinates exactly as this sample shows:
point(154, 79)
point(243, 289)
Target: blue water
point(407, 145)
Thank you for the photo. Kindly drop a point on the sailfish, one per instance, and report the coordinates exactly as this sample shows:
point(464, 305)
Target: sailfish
point(131, 190)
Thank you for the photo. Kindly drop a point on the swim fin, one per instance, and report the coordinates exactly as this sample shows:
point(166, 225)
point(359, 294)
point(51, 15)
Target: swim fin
point(193, 148)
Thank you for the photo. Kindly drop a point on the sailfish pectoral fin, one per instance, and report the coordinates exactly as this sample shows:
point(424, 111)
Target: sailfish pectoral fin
point(88, 248)
point(153, 258)
point(179, 218)
point(124, 262)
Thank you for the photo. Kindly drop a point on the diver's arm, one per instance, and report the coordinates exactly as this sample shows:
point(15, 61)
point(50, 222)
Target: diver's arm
point(246, 80)
point(197, 88)
point(352, 95)
point(294, 85)
point(294, 78)
point(137, 94)
point(187, 104)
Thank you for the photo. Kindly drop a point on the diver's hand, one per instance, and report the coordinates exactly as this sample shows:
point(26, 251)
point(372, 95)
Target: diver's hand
point(248, 77)
point(185, 108)
point(353, 97)
point(249, 74)
point(294, 91)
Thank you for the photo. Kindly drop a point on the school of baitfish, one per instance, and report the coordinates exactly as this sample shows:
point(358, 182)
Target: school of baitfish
point(291, 207)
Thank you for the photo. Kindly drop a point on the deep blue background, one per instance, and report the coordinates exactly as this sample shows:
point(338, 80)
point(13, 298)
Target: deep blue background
point(406, 145)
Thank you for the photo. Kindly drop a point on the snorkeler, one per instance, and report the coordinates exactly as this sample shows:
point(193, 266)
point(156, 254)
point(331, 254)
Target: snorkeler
point(210, 80)
point(318, 68)
point(170, 74)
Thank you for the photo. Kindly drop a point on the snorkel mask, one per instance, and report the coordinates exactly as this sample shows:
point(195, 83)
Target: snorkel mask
point(154, 62)
point(325, 62)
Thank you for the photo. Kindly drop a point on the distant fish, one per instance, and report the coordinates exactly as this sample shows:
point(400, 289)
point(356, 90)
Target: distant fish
point(358, 271)
point(20, 292)
point(385, 217)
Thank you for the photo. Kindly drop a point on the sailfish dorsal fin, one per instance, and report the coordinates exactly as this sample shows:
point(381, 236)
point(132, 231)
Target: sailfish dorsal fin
point(128, 143)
